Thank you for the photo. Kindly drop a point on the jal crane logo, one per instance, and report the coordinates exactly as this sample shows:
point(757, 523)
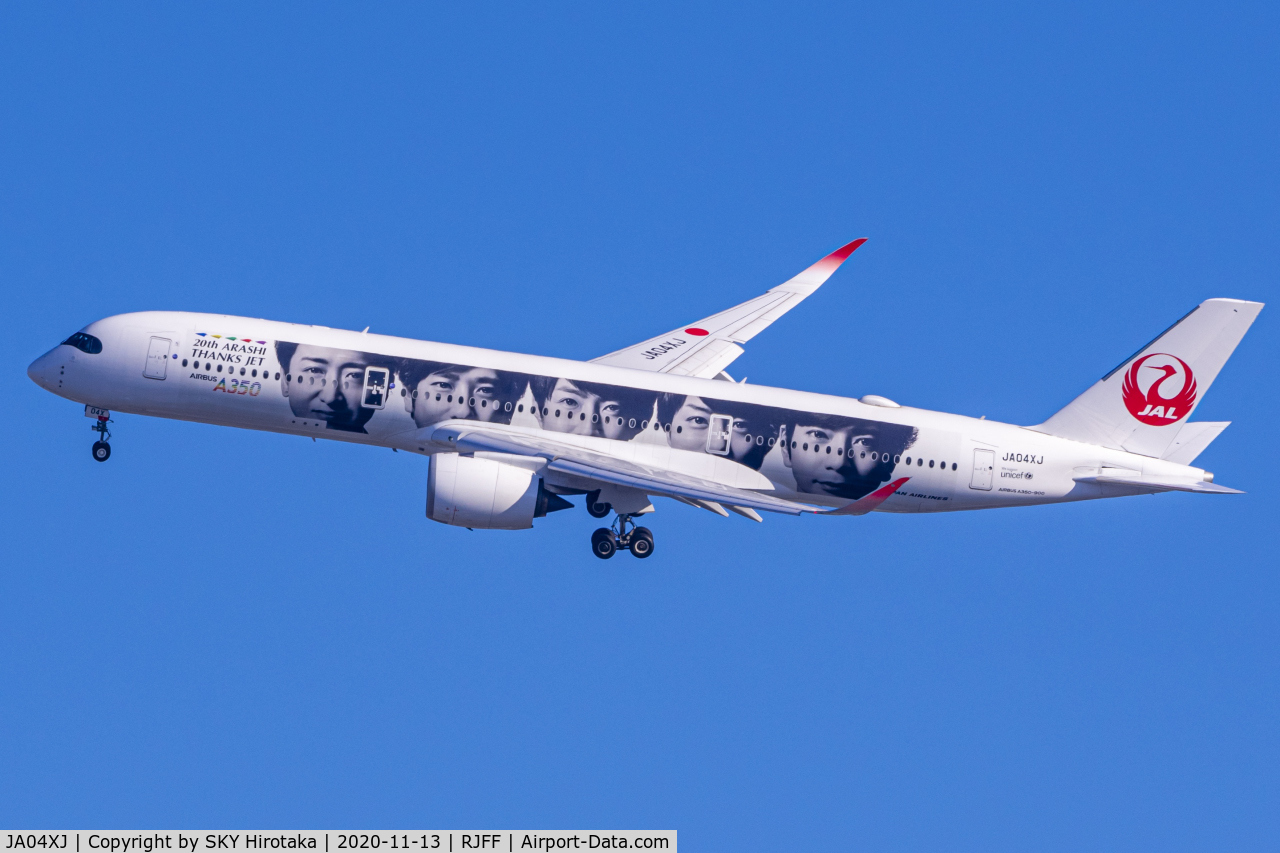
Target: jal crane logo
point(1159, 389)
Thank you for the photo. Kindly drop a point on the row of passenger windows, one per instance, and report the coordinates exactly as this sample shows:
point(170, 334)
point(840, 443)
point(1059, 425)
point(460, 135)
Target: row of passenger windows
point(266, 374)
point(631, 423)
point(875, 456)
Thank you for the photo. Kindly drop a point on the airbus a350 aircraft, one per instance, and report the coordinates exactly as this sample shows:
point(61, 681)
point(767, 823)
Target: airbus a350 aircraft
point(508, 435)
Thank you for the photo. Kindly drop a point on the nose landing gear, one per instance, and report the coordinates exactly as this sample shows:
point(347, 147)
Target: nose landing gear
point(101, 449)
point(625, 535)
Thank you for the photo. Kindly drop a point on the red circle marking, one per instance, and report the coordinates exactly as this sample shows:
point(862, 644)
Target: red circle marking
point(698, 332)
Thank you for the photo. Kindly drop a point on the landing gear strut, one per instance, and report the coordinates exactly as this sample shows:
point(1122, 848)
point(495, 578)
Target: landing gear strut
point(101, 449)
point(624, 534)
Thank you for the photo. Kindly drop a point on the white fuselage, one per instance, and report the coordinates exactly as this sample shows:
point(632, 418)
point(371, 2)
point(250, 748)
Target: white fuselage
point(228, 370)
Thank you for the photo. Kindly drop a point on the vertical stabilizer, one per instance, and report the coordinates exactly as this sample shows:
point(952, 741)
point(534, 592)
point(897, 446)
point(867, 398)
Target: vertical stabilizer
point(1142, 406)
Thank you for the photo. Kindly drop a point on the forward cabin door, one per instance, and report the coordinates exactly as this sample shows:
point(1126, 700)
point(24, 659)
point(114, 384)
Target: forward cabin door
point(984, 465)
point(157, 358)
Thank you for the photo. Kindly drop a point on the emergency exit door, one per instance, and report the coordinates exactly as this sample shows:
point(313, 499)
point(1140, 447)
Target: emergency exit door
point(157, 358)
point(984, 465)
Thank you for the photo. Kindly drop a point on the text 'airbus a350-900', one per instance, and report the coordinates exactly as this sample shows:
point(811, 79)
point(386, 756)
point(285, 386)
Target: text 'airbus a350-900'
point(509, 435)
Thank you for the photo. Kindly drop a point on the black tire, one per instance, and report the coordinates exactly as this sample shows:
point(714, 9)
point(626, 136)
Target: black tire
point(596, 508)
point(101, 451)
point(641, 542)
point(603, 543)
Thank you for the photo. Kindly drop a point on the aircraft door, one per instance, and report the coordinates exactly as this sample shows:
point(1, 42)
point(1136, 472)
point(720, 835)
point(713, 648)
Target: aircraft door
point(377, 381)
point(157, 358)
point(718, 435)
point(984, 465)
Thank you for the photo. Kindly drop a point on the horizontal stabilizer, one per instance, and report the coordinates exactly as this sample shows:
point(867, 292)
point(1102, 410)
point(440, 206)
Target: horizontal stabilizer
point(1192, 439)
point(1122, 477)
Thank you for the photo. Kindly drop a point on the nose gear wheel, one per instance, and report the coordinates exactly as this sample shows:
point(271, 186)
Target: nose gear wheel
point(101, 447)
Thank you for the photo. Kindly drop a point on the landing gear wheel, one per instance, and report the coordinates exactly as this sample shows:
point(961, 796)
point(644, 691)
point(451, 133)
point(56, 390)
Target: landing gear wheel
point(595, 507)
point(641, 542)
point(603, 544)
point(101, 451)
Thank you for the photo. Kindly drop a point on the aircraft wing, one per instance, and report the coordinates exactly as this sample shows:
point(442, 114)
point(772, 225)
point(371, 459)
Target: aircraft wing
point(587, 464)
point(706, 347)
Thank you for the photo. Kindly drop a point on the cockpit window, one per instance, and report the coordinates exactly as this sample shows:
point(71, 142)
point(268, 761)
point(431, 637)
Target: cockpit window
point(84, 343)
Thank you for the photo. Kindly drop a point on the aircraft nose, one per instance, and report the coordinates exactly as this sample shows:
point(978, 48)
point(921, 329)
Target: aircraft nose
point(39, 371)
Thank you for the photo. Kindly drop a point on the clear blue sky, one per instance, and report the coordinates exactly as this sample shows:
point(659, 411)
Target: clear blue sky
point(232, 629)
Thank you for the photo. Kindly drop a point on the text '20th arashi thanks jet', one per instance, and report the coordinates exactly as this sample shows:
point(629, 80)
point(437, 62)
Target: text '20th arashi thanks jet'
point(508, 435)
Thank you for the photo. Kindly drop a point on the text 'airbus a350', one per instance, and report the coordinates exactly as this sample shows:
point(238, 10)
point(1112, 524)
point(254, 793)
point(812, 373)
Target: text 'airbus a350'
point(509, 435)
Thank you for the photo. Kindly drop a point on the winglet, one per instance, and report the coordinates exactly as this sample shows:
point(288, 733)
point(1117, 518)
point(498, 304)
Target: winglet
point(813, 278)
point(866, 503)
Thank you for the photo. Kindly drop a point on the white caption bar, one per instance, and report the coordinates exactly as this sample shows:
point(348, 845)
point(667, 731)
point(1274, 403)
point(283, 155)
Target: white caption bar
point(330, 841)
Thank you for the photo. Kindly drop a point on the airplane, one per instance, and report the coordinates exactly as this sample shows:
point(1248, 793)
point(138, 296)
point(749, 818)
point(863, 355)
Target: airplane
point(509, 435)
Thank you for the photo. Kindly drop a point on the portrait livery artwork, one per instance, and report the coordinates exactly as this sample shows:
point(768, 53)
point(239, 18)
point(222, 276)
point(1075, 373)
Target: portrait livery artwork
point(830, 455)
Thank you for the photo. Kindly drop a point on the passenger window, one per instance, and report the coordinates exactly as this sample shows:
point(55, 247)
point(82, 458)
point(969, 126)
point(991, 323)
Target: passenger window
point(930, 463)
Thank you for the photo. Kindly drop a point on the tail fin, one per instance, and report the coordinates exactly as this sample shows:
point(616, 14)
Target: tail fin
point(1143, 405)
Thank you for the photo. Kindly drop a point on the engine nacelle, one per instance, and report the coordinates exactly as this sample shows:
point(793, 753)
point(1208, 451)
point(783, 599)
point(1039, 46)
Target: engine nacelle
point(483, 492)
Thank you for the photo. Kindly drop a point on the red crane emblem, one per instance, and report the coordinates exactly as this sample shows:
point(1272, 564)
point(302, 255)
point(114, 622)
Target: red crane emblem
point(1147, 382)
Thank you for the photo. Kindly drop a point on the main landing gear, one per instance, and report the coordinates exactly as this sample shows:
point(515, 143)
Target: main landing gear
point(101, 449)
point(624, 534)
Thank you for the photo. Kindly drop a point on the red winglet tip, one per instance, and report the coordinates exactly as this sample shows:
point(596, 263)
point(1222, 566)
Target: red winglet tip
point(847, 249)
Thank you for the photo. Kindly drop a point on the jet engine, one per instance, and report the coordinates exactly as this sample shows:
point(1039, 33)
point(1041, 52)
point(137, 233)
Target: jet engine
point(484, 491)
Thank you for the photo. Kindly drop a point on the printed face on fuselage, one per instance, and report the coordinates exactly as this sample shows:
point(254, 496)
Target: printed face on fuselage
point(752, 437)
point(325, 384)
point(453, 391)
point(833, 461)
point(582, 408)
point(689, 425)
